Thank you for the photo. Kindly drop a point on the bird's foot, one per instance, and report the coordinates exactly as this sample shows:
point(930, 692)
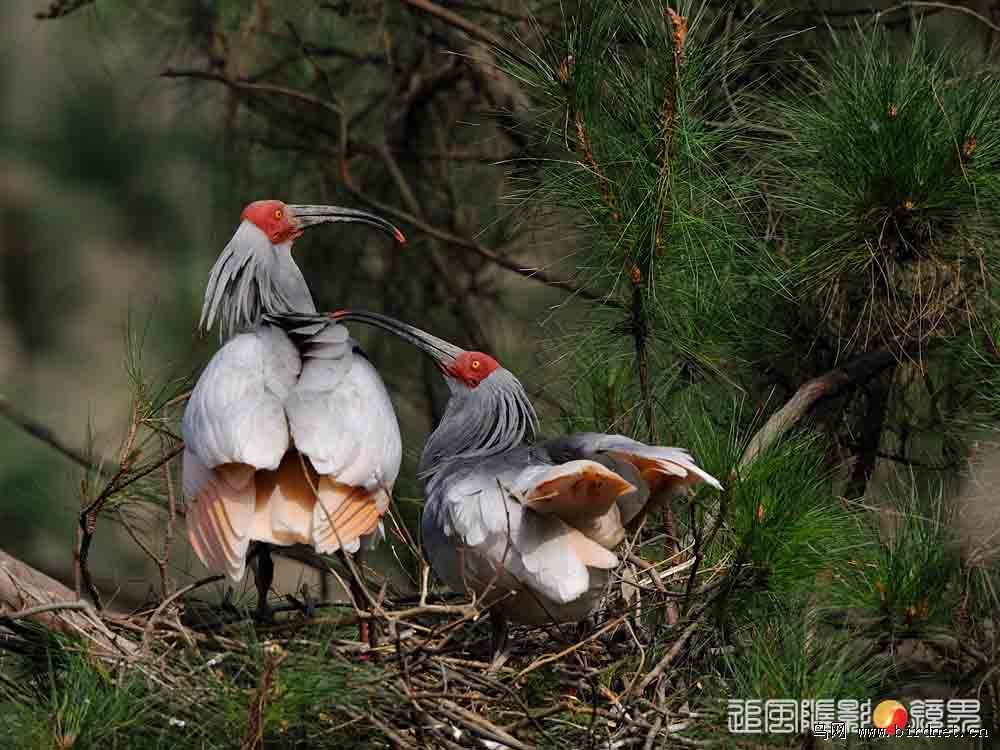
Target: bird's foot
point(264, 615)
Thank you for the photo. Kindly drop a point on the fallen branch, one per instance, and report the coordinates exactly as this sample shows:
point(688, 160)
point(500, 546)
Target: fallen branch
point(29, 594)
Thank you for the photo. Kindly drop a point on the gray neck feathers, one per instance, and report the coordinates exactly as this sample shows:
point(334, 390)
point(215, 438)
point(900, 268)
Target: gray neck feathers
point(253, 277)
point(492, 418)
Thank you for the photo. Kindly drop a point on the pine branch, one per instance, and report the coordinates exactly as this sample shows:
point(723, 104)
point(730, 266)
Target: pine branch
point(858, 370)
point(668, 116)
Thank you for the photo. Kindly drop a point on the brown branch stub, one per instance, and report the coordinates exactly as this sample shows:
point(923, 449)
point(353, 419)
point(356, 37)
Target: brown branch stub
point(603, 183)
point(640, 336)
point(565, 68)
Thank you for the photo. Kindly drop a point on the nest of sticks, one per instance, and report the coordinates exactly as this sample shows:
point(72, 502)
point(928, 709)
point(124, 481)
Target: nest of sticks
point(424, 679)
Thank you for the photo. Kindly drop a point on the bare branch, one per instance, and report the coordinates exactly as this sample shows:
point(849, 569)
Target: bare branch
point(45, 434)
point(62, 8)
point(939, 6)
point(454, 19)
point(858, 370)
point(492, 255)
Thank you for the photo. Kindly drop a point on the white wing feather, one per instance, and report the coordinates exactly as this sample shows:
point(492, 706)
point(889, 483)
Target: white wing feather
point(236, 413)
point(341, 417)
point(474, 508)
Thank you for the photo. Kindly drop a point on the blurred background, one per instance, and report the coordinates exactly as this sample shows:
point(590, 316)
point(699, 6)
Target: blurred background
point(114, 195)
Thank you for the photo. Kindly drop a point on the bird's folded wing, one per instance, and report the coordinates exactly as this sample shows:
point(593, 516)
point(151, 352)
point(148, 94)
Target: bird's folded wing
point(653, 469)
point(541, 550)
point(583, 493)
point(236, 411)
point(234, 424)
point(573, 491)
point(342, 420)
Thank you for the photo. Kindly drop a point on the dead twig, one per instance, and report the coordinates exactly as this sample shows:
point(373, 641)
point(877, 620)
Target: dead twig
point(46, 435)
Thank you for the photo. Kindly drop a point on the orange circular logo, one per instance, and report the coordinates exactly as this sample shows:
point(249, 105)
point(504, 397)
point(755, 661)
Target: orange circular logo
point(890, 716)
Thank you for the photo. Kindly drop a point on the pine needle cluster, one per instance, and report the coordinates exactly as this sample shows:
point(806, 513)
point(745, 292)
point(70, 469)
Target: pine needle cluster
point(889, 175)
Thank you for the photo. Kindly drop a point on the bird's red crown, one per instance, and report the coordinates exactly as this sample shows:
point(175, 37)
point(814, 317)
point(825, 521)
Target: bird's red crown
point(273, 219)
point(472, 368)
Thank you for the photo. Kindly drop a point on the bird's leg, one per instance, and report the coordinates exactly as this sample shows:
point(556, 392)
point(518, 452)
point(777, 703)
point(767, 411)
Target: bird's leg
point(498, 639)
point(309, 601)
point(264, 577)
point(366, 633)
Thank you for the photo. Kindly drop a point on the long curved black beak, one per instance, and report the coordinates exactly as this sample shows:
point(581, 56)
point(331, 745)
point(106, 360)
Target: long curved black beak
point(308, 216)
point(441, 351)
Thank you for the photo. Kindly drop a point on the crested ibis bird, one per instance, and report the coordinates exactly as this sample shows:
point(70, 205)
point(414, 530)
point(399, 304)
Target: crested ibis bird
point(289, 436)
point(531, 526)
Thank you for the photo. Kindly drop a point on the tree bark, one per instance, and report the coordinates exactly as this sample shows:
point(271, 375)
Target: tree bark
point(29, 594)
point(872, 422)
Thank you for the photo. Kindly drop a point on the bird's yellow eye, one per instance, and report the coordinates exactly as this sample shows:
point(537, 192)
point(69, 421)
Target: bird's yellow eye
point(278, 213)
point(476, 364)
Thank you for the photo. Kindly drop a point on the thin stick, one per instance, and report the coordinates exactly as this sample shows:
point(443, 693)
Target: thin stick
point(40, 432)
point(940, 6)
point(566, 651)
point(674, 651)
point(147, 633)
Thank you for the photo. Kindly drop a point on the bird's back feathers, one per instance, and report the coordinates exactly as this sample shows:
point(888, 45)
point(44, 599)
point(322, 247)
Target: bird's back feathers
point(270, 423)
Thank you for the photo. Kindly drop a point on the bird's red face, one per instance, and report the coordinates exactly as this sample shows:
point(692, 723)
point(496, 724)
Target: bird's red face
point(471, 368)
point(274, 219)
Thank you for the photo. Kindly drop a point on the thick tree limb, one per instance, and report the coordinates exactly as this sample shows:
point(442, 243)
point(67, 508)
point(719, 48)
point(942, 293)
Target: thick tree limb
point(27, 593)
point(858, 370)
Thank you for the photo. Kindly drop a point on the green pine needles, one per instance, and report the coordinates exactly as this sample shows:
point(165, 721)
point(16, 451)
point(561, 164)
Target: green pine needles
point(636, 96)
point(890, 175)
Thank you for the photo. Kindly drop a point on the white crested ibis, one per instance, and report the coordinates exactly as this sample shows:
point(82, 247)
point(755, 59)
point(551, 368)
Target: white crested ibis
point(532, 525)
point(290, 436)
